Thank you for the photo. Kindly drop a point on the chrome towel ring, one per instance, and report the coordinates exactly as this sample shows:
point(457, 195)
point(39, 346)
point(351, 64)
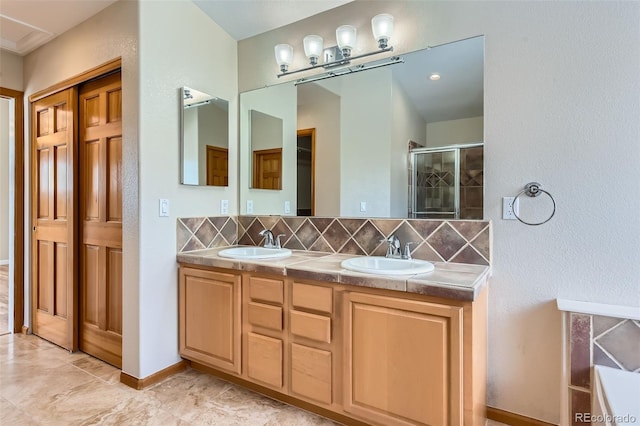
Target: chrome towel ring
point(532, 189)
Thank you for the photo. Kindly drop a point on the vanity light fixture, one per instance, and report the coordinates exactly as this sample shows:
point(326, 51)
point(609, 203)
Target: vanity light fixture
point(284, 55)
point(434, 76)
point(312, 48)
point(381, 26)
point(346, 36)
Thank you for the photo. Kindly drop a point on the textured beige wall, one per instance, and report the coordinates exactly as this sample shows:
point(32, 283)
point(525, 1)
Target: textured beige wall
point(550, 116)
point(451, 132)
point(179, 46)
point(11, 71)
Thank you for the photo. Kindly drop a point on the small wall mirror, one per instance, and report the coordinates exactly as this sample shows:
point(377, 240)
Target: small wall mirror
point(266, 150)
point(204, 124)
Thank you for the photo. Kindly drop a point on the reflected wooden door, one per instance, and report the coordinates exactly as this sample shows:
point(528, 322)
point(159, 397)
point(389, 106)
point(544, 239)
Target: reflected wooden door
point(217, 166)
point(267, 169)
point(100, 143)
point(52, 197)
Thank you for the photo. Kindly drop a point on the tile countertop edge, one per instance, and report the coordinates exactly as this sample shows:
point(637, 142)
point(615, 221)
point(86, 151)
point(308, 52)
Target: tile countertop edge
point(325, 267)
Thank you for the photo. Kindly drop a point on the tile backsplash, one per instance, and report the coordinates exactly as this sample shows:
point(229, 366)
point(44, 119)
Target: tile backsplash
point(196, 233)
point(459, 241)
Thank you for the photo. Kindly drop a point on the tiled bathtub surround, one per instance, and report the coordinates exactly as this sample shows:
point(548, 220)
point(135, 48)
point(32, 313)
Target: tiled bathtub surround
point(196, 233)
point(601, 340)
point(456, 241)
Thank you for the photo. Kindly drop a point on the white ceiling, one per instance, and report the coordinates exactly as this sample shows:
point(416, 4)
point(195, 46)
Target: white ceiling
point(27, 24)
point(246, 18)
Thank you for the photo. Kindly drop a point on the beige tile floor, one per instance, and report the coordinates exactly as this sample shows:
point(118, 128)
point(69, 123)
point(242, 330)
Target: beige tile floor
point(42, 384)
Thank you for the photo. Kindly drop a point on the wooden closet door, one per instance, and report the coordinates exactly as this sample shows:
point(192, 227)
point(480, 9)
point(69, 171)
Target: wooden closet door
point(52, 199)
point(100, 129)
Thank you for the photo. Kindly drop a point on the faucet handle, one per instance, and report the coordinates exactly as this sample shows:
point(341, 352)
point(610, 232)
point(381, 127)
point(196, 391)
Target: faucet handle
point(406, 253)
point(278, 244)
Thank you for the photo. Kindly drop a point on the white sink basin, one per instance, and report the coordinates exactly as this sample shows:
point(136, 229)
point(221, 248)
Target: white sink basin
point(254, 253)
point(387, 266)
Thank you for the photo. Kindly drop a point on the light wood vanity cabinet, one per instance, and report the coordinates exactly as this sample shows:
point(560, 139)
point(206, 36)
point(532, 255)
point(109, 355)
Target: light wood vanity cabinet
point(403, 360)
point(263, 330)
point(312, 346)
point(377, 357)
point(209, 310)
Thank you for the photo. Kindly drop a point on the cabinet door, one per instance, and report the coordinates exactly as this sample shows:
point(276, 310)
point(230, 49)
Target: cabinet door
point(311, 373)
point(264, 360)
point(210, 318)
point(403, 361)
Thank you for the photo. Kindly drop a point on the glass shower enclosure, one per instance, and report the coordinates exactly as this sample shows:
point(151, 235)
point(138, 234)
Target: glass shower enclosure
point(447, 182)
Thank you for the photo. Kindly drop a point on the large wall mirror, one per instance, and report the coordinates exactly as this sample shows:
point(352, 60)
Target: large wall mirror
point(204, 150)
point(377, 143)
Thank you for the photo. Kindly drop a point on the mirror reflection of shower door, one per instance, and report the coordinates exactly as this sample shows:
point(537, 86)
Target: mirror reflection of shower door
point(448, 182)
point(436, 184)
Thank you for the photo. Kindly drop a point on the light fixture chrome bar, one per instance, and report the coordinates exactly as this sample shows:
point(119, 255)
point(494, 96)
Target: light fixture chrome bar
point(363, 67)
point(339, 62)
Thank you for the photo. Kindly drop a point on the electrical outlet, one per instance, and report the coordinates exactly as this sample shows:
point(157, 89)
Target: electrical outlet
point(509, 207)
point(363, 206)
point(287, 207)
point(224, 206)
point(249, 206)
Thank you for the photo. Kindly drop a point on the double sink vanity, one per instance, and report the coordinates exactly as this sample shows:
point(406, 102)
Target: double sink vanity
point(326, 321)
point(386, 346)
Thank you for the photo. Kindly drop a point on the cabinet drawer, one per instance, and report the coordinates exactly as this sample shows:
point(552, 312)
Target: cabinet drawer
point(311, 326)
point(265, 315)
point(311, 373)
point(264, 359)
point(266, 289)
point(313, 297)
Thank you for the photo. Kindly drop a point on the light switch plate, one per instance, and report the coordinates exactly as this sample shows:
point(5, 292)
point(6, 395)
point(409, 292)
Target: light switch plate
point(224, 206)
point(163, 207)
point(249, 206)
point(363, 206)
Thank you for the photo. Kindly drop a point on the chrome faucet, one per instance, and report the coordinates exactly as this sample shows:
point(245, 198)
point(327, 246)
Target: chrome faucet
point(393, 249)
point(269, 240)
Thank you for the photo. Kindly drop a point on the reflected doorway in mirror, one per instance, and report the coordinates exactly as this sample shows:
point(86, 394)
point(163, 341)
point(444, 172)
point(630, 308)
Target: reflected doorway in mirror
point(305, 191)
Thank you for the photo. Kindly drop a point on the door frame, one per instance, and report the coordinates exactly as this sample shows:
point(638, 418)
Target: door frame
point(96, 72)
point(18, 208)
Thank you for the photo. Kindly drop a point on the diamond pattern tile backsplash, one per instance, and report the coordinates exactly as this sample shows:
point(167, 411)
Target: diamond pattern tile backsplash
point(196, 233)
point(457, 241)
point(598, 340)
point(434, 240)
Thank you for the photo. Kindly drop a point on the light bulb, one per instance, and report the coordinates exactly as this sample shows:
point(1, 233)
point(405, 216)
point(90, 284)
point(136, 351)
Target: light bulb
point(346, 36)
point(382, 27)
point(312, 48)
point(284, 55)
